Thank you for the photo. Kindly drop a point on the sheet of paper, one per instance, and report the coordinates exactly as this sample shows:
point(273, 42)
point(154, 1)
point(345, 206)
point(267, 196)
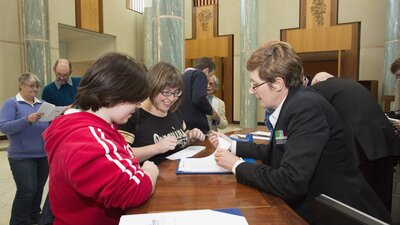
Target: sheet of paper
point(200, 165)
point(50, 111)
point(223, 144)
point(261, 133)
point(186, 152)
point(243, 136)
point(206, 216)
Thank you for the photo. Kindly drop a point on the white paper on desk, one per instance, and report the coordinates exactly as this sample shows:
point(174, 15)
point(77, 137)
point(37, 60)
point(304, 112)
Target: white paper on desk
point(186, 152)
point(223, 144)
point(200, 165)
point(206, 216)
point(243, 136)
point(50, 111)
point(261, 133)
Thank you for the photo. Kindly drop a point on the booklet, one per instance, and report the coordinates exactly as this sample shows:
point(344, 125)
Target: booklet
point(50, 111)
point(231, 216)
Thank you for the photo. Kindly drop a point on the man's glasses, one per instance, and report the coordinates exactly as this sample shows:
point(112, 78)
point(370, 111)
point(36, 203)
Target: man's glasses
point(255, 86)
point(59, 75)
point(167, 93)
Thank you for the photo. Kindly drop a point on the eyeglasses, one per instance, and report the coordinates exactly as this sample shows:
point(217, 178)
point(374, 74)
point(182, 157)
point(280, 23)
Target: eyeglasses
point(167, 93)
point(32, 85)
point(59, 75)
point(255, 86)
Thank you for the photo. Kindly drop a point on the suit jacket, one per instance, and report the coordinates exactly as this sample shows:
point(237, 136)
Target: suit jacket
point(363, 115)
point(195, 106)
point(219, 107)
point(310, 153)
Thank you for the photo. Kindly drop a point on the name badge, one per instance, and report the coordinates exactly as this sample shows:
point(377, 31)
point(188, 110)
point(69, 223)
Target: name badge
point(280, 137)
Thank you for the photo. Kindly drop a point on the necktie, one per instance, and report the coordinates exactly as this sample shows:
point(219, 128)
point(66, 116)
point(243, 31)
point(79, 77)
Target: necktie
point(268, 113)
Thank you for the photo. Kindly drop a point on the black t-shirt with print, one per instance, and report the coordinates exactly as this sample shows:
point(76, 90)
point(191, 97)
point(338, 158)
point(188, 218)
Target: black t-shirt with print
point(148, 129)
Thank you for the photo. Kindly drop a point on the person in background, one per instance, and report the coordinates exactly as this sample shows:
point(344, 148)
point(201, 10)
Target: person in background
point(218, 119)
point(94, 174)
point(195, 106)
point(62, 91)
point(378, 147)
point(395, 69)
point(19, 120)
point(156, 130)
point(310, 153)
point(306, 80)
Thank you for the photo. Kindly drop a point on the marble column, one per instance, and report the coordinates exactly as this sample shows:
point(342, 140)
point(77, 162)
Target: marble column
point(168, 32)
point(35, 38)
point(391, 51)
point(248, 43)
point(148, 37)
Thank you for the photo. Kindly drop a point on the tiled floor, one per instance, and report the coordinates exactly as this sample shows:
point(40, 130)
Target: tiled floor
point(7, 186)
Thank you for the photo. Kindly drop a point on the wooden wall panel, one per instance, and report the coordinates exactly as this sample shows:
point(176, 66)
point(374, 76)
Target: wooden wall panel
point(218, 46)
point(321, 39)
point(89, 15)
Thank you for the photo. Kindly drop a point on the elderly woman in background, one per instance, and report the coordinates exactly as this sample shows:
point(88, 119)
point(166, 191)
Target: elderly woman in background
point(19, 120)
point(217, 120)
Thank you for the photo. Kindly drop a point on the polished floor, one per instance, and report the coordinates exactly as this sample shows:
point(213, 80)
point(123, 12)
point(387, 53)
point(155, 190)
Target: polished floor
point(7, 186)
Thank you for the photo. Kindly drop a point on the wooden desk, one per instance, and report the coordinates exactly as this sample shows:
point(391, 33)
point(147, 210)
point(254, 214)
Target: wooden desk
point(214, 191)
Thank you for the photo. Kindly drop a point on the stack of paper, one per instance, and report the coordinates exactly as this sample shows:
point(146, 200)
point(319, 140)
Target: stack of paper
point(187, 152)
point(231, 216)
point(205, 164)
point(200, 165)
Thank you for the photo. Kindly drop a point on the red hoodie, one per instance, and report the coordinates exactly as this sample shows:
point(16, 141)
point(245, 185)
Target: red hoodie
point(94, 176)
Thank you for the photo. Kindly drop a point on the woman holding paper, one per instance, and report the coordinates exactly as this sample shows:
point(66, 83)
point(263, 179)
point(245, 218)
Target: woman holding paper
point(155, 130)
point(19, 120)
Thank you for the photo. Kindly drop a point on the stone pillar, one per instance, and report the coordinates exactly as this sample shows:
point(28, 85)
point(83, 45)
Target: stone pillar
point(35, 38)
point(148, 37)
point(391, 53)
point(248, 43)
point(168, 32)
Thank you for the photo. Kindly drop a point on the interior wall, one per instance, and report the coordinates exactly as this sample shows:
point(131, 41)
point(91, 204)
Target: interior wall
point(61, 11)
point(372, 15)
point(274, 15)
point(10, 49)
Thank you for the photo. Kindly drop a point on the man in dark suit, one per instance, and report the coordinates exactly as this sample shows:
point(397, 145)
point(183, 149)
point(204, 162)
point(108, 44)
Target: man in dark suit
point(195, 106)
point(310, 152)
point(376, 140)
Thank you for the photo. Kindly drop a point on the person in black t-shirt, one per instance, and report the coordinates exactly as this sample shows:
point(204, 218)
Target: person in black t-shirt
point(157, 130)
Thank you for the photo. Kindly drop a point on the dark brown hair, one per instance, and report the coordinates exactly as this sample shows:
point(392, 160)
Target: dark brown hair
point(277, 59)
point(204, 63)
point(164, 75)
point(395, 66)
point(114, 78)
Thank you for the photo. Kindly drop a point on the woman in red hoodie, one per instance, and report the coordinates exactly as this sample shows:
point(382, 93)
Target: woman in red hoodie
point(94, 175)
